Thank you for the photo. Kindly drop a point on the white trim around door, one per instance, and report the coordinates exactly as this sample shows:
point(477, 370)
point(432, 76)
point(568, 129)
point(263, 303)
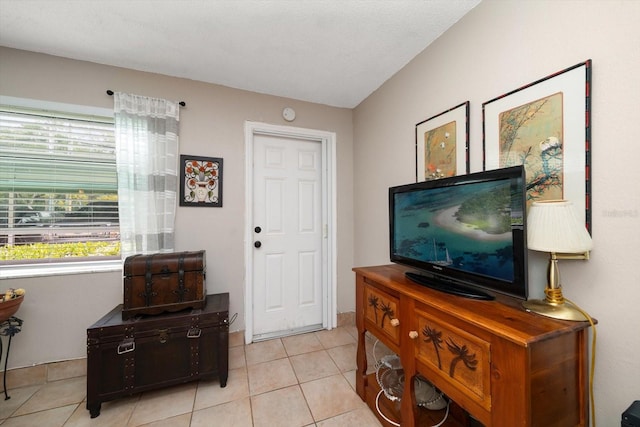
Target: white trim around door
point(329, 274)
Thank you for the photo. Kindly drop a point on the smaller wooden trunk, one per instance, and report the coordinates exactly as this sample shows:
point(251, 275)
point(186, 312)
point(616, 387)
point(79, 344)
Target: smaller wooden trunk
point(125, 357)
point(158, 283)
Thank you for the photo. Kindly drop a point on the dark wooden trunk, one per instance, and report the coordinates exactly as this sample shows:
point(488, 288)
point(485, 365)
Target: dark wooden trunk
point(159, 283)
point(127, 356)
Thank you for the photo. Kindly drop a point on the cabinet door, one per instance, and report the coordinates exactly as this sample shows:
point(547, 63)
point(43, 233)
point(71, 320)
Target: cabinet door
point(381, 313)
point(459, 358)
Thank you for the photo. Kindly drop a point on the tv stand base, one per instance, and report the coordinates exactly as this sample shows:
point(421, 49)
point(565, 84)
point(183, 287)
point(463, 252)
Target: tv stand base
point(493, 359)
point(449, 287)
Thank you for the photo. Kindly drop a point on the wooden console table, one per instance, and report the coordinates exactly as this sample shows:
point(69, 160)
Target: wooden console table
point(501, 365)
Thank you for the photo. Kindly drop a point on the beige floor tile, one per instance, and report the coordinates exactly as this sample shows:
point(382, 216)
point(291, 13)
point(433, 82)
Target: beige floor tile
point(236, 357)
point(311, 366)
point(264, 351)
point(164, 403)
point(350, 376)
point(17, 397)
point(304, 343)
point(353, 331)
point(55, 417)
point(344, 357)
point(270, 376)
point(360, 417)
point(232, 414)
point(236, 339)
point(331, 396)
point(262, 390)
point(335, 337)
point(55, 395)
point(115, 413)
point(283, 408)
point(211, 394)
point(183, 420)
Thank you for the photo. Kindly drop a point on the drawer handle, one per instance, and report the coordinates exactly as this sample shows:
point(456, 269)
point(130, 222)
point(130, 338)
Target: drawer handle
point(194, 333)
point(413, 335)
point(395, 322)
point(126, 346)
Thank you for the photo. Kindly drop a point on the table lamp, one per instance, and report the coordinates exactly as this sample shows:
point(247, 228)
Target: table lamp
point(553, 226)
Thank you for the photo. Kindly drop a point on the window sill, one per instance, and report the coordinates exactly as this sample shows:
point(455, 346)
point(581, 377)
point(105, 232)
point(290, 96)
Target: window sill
point(67, 268)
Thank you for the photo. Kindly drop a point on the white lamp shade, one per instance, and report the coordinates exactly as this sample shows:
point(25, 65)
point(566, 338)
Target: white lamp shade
point(553, 226)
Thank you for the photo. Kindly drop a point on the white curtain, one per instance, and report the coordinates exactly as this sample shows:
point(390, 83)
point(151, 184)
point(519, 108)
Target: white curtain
point(146, 132)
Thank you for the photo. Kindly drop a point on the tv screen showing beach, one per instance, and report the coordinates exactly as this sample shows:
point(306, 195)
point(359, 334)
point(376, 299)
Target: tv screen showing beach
point(465, 227)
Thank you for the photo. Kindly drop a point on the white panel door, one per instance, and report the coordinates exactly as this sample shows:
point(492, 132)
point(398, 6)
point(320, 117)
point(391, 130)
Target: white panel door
point(287, 235)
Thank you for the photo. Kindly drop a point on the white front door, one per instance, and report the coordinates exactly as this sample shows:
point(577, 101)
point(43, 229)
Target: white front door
point(287, 234)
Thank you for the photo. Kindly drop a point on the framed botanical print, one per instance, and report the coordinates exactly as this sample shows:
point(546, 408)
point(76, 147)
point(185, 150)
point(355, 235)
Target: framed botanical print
point(442, 144)
point(545, 125)
point(200, 181)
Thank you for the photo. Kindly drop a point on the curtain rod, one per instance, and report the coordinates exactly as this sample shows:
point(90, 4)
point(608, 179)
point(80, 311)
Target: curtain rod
point(182, 103)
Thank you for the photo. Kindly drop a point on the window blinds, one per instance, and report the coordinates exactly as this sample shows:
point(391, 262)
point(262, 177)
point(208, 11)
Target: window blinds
point(56, 167)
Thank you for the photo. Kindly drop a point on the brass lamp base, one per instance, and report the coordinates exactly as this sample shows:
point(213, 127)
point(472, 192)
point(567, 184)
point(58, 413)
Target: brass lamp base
point(554, 305)
point(562, 311)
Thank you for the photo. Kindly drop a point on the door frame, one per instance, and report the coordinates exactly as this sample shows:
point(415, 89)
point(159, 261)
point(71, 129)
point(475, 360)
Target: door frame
point(329, 215)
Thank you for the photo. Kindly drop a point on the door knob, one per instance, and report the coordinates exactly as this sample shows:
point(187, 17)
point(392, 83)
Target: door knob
point(413, 335)
point(257, 244)
point(257, 229)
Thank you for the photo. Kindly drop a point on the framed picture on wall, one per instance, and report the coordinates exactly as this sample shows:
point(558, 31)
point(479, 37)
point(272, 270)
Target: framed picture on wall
point(545, 125)
point(200, 181)
point(442, 144)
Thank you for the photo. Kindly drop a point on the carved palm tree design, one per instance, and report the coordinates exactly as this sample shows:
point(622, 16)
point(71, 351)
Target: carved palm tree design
point(435, 337)
point(373, 302)
point(387, 311)
point(461, 354)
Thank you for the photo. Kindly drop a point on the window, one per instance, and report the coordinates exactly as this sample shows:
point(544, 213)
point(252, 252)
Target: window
point(58, 187)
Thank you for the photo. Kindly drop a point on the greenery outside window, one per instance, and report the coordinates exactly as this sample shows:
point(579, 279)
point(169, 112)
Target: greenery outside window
point(58, 187)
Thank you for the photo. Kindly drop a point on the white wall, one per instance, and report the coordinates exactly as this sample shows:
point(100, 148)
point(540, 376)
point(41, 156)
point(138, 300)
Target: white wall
point(500, 46)
point(57, 310)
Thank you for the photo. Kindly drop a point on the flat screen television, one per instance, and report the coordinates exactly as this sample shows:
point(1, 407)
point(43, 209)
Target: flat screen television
point(465, 235)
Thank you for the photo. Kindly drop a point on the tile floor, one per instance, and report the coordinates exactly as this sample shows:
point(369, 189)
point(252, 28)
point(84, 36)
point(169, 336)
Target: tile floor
point(302, 380)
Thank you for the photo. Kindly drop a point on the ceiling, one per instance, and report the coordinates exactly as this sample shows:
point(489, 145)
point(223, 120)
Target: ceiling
point(333, 52)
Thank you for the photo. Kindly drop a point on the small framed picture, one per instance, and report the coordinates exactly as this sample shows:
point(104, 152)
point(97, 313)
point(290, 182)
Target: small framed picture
point(442, 144)
point(200, 181)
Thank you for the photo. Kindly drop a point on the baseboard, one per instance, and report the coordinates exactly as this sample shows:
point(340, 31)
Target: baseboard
point(347, 318)
point(46, 372)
